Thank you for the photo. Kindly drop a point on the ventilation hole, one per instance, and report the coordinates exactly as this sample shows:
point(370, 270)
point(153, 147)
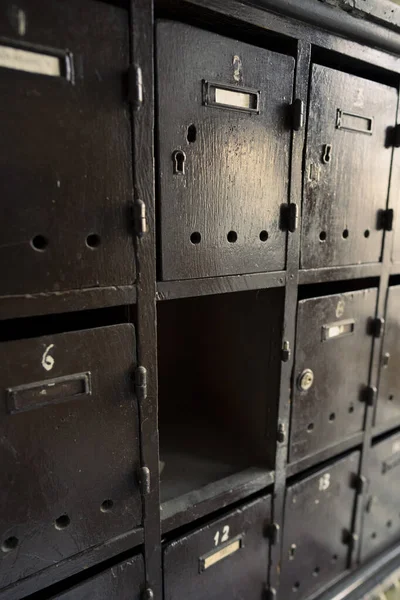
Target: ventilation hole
point(62, 522)
point(310, 427)
point(322, 236)
point(373, 535)
point(366, 233)
point(334, 558)
point(316, 571)
point(195, 238)
point(389, 523)
point(351, 408)
point(296, 586)
point(93, 240)
point(232, 237)
point(332, 417)
point(345, 234)
point(39, 243)
point(263, 236)
point(391, 397)
point(9, 544)
point(106, 506)
point(191, 133)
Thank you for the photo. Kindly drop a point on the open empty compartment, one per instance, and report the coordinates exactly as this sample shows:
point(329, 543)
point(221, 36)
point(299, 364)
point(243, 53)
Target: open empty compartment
point(219, 369)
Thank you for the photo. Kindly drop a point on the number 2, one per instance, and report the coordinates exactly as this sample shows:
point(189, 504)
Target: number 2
point(224, 536)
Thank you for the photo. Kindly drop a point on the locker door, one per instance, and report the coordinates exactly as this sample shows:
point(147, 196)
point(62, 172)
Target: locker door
point(70, 449)
point(388, 406)
point(333, 351)
point(318, 513)
point(347, 168)
point(65, 156)
point(381, 526)
point(223, 138)
point(124, 581)
point(228, 558)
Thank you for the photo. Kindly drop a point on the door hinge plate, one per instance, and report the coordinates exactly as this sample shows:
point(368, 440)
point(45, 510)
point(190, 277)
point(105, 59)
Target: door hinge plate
point(369, 396)
point(144, 480)
point(139, 217)
point(298, 114)
point(350, 539)
point(360, 484)
point(273, 533)
point(141, 383)
point(385, 219)
point(135, 84)
point(289, 217)
point(377, 326)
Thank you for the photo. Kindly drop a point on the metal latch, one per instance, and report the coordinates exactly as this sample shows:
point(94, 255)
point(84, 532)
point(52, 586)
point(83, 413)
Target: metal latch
point(298, 114)
point(369, 395)
point(273, 533)
point(385, 219)
point(141, 383)
point(135, 83)
point(139, 217)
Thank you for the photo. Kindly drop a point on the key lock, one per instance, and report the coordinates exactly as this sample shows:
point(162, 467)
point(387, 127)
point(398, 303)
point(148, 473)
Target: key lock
point(327, 154)
point(178, 161)
point(305, 380)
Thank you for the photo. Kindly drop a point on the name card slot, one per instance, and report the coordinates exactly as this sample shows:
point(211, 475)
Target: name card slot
point(353, 122)
point(38, 62)
point(52, 391)
point(231, 97)
point(337, 330)
point(215, 556)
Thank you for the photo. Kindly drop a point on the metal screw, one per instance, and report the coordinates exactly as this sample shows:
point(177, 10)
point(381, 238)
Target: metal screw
point(305, 380)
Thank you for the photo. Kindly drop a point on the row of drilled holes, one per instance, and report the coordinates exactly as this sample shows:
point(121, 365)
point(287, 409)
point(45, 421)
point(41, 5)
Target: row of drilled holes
point(41, 242)
point(296, 585)
point(345, 234)
point(61, 523)
point(232, 236)
point(389, 523)
point(332, 418)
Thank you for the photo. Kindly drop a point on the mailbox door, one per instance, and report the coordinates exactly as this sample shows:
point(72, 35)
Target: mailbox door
point(224, 141)
point(347, 168)
point(70, 449)
point(66, 151)
point(228, 558)
point(335, 345)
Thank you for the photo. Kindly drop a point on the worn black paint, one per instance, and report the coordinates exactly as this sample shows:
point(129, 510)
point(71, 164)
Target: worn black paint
point(65, 163)
point(222, 215)
point(345, 188)
point(240, 575)
point(333, 408)
point(60, 461)
point(318, 512)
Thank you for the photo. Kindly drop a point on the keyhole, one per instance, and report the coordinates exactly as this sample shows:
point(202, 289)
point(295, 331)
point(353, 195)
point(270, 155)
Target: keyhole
point(179, 159)
point(327, 154)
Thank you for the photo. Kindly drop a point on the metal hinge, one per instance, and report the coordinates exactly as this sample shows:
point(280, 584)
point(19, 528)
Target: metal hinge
point(385, 219)
point(139, 217)
point(144, 480)
point(376, 326)
point(350, 539)
point(289, 217)
point(297, 114)
point(135, 83)
point(141, 383)
point(360, 483)
point(369, 395)
point(272, 533)
point(285, 352)
point(393, 136)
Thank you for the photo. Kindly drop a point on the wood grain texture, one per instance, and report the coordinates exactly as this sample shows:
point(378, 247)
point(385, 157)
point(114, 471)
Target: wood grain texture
point(236, 172)
point(333, 407)
point(345, 194)
point(66, 157)
point(61, 459)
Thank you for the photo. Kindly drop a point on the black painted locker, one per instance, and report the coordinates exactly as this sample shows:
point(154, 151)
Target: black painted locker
point(347, 168)
point(227, 558)
point(333, 353)
point(381, 519)
point(318, 518)
point(224, 140)
point(65, 157)
point(124, 581)
point(388, 405)
point(70, 450)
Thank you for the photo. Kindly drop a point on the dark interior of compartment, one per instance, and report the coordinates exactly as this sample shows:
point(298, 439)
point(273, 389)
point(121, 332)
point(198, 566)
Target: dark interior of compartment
point(219, 369)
